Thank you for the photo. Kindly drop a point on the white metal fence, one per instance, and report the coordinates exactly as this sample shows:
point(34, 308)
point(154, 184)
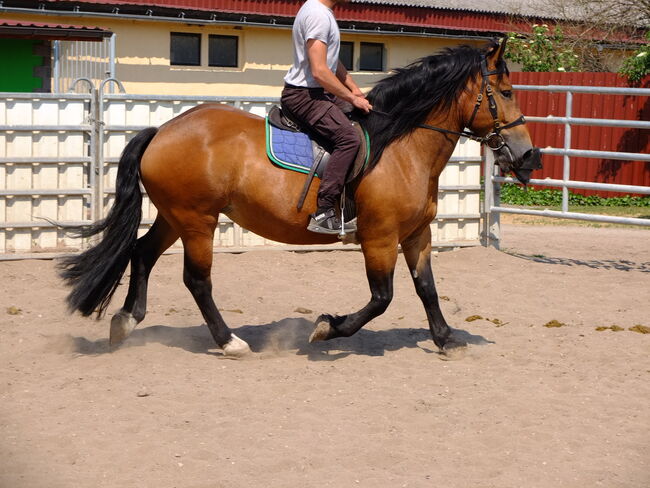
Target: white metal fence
point(492, 205)
point(59, 154)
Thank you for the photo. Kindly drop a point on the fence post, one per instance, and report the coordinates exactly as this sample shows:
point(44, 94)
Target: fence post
point(100, 139)
point(491, 234)
point(94, 163)
point(56, 52)
point(111, 61)
point(566, 169)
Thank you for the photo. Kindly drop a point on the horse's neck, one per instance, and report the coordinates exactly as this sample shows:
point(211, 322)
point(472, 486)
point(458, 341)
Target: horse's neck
point(435, 148)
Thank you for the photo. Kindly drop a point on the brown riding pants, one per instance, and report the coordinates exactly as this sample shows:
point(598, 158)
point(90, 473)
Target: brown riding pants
point(323, 113)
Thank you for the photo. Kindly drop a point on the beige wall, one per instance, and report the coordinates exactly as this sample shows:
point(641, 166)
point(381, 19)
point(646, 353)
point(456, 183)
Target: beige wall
point(265, 55)
point(142, 56)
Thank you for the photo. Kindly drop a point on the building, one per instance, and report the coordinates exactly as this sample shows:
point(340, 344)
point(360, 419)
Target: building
point(225, 47)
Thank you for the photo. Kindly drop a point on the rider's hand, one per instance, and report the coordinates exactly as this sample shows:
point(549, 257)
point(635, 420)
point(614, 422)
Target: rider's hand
point(361, 103)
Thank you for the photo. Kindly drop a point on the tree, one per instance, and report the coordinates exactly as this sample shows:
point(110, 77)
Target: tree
point(596, 31)
point(604, 15)
point(637, 66)
point(543, 50)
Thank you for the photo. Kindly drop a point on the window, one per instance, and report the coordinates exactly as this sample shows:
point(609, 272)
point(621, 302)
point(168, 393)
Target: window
point(185, 49)
point(372, 57)
point(222, 51)
point(346, 54)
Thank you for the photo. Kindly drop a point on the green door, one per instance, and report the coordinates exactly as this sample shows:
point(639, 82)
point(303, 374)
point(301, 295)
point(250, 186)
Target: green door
point(17, 63)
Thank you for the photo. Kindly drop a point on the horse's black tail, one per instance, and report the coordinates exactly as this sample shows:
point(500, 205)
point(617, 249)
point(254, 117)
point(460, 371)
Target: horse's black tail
point(95, 273)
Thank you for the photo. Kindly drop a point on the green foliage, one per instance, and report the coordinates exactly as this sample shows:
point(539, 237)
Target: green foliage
point(543, 50)
point(516, 195)
point(637, 66)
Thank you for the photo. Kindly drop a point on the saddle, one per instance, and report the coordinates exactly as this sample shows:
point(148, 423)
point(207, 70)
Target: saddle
point(290, 147)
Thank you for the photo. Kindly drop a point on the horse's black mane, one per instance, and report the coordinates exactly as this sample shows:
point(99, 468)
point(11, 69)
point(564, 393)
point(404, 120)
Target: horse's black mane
point(411, 93)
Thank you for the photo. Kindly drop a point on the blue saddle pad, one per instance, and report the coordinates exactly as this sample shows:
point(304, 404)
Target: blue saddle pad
point(290, 150)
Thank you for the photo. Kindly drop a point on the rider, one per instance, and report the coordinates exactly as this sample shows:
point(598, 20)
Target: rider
point(315, 87)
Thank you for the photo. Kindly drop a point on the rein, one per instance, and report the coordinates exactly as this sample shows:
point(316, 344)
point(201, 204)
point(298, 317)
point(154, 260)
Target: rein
point(494, 140)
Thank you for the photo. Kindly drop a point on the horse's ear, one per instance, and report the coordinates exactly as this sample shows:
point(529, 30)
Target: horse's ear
point(502, 48)
point(497, 49)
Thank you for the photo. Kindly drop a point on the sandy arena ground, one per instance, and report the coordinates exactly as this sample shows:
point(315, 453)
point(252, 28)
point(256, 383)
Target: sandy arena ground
point(529, 406)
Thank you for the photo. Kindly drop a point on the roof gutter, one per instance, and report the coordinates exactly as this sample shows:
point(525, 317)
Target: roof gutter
point(52, 33)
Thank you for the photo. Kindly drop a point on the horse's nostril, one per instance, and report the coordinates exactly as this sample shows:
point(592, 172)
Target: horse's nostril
point(532, 159)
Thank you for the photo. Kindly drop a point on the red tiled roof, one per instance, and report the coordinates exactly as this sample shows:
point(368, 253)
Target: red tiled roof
point(39, 30)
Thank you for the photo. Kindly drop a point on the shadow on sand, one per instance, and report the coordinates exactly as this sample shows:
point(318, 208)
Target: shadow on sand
point(617, 264)
point(287, 336)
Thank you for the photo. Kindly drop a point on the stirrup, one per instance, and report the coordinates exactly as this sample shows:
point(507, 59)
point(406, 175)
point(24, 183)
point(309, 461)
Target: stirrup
point(327, 222)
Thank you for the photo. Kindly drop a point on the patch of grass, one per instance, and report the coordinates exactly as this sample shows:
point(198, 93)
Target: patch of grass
point(554, 323)
point(641, 329)
point(615, 328)
point(551, 199)
point(634, 212)
point(517, 195)
point(497, 322)
point(302, 310)
point(232, 310)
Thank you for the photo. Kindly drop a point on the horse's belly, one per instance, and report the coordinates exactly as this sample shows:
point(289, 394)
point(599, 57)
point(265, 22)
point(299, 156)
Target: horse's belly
point(279, 228)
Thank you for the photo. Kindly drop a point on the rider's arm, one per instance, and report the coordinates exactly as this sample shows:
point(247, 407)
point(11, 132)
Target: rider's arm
point(345, 78)
point(317, 53)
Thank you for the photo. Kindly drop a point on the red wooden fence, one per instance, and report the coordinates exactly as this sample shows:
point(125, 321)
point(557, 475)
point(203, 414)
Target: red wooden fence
point(620, 107)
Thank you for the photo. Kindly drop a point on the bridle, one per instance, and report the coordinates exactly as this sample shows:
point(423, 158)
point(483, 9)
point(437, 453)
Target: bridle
point(494, 140)
point(530, 161)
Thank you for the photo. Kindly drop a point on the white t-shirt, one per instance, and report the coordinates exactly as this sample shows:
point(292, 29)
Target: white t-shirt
point(314, 21)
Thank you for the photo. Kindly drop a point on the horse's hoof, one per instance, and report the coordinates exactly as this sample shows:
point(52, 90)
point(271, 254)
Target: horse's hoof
point(236, 347)
point(323, 330)
point(454, 351)
point(122, 324)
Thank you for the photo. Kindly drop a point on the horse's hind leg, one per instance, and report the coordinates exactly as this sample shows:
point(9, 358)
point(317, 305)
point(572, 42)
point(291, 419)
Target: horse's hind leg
point(196, 276)
point(417, 252)
point(143, 258)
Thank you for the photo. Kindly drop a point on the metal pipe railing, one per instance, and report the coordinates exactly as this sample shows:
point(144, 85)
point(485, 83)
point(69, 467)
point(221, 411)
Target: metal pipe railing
point(602, 90)
point(492, 207)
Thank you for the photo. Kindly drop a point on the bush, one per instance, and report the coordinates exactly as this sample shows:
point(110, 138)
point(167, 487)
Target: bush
point(637, 66)
point(515, 195)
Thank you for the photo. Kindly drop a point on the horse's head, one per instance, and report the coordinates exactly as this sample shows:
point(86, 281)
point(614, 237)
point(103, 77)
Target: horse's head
point(491, 108)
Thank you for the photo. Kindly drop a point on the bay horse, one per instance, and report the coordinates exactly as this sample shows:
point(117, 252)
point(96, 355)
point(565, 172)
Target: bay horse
point(211, 160)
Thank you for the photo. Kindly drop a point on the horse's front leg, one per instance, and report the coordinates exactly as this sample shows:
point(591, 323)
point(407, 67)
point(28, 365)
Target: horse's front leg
point(417, 252)
point(380, 258)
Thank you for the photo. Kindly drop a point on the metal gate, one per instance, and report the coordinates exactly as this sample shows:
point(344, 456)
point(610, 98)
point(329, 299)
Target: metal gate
point(80, 59)
point(493, 182)
point(58, 162)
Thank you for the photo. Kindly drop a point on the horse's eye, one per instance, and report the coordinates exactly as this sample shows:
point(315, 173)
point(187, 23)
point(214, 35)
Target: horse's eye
point(507, 93)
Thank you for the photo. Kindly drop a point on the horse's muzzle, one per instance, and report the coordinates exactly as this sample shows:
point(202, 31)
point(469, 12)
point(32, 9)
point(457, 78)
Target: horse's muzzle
point(530, 161)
